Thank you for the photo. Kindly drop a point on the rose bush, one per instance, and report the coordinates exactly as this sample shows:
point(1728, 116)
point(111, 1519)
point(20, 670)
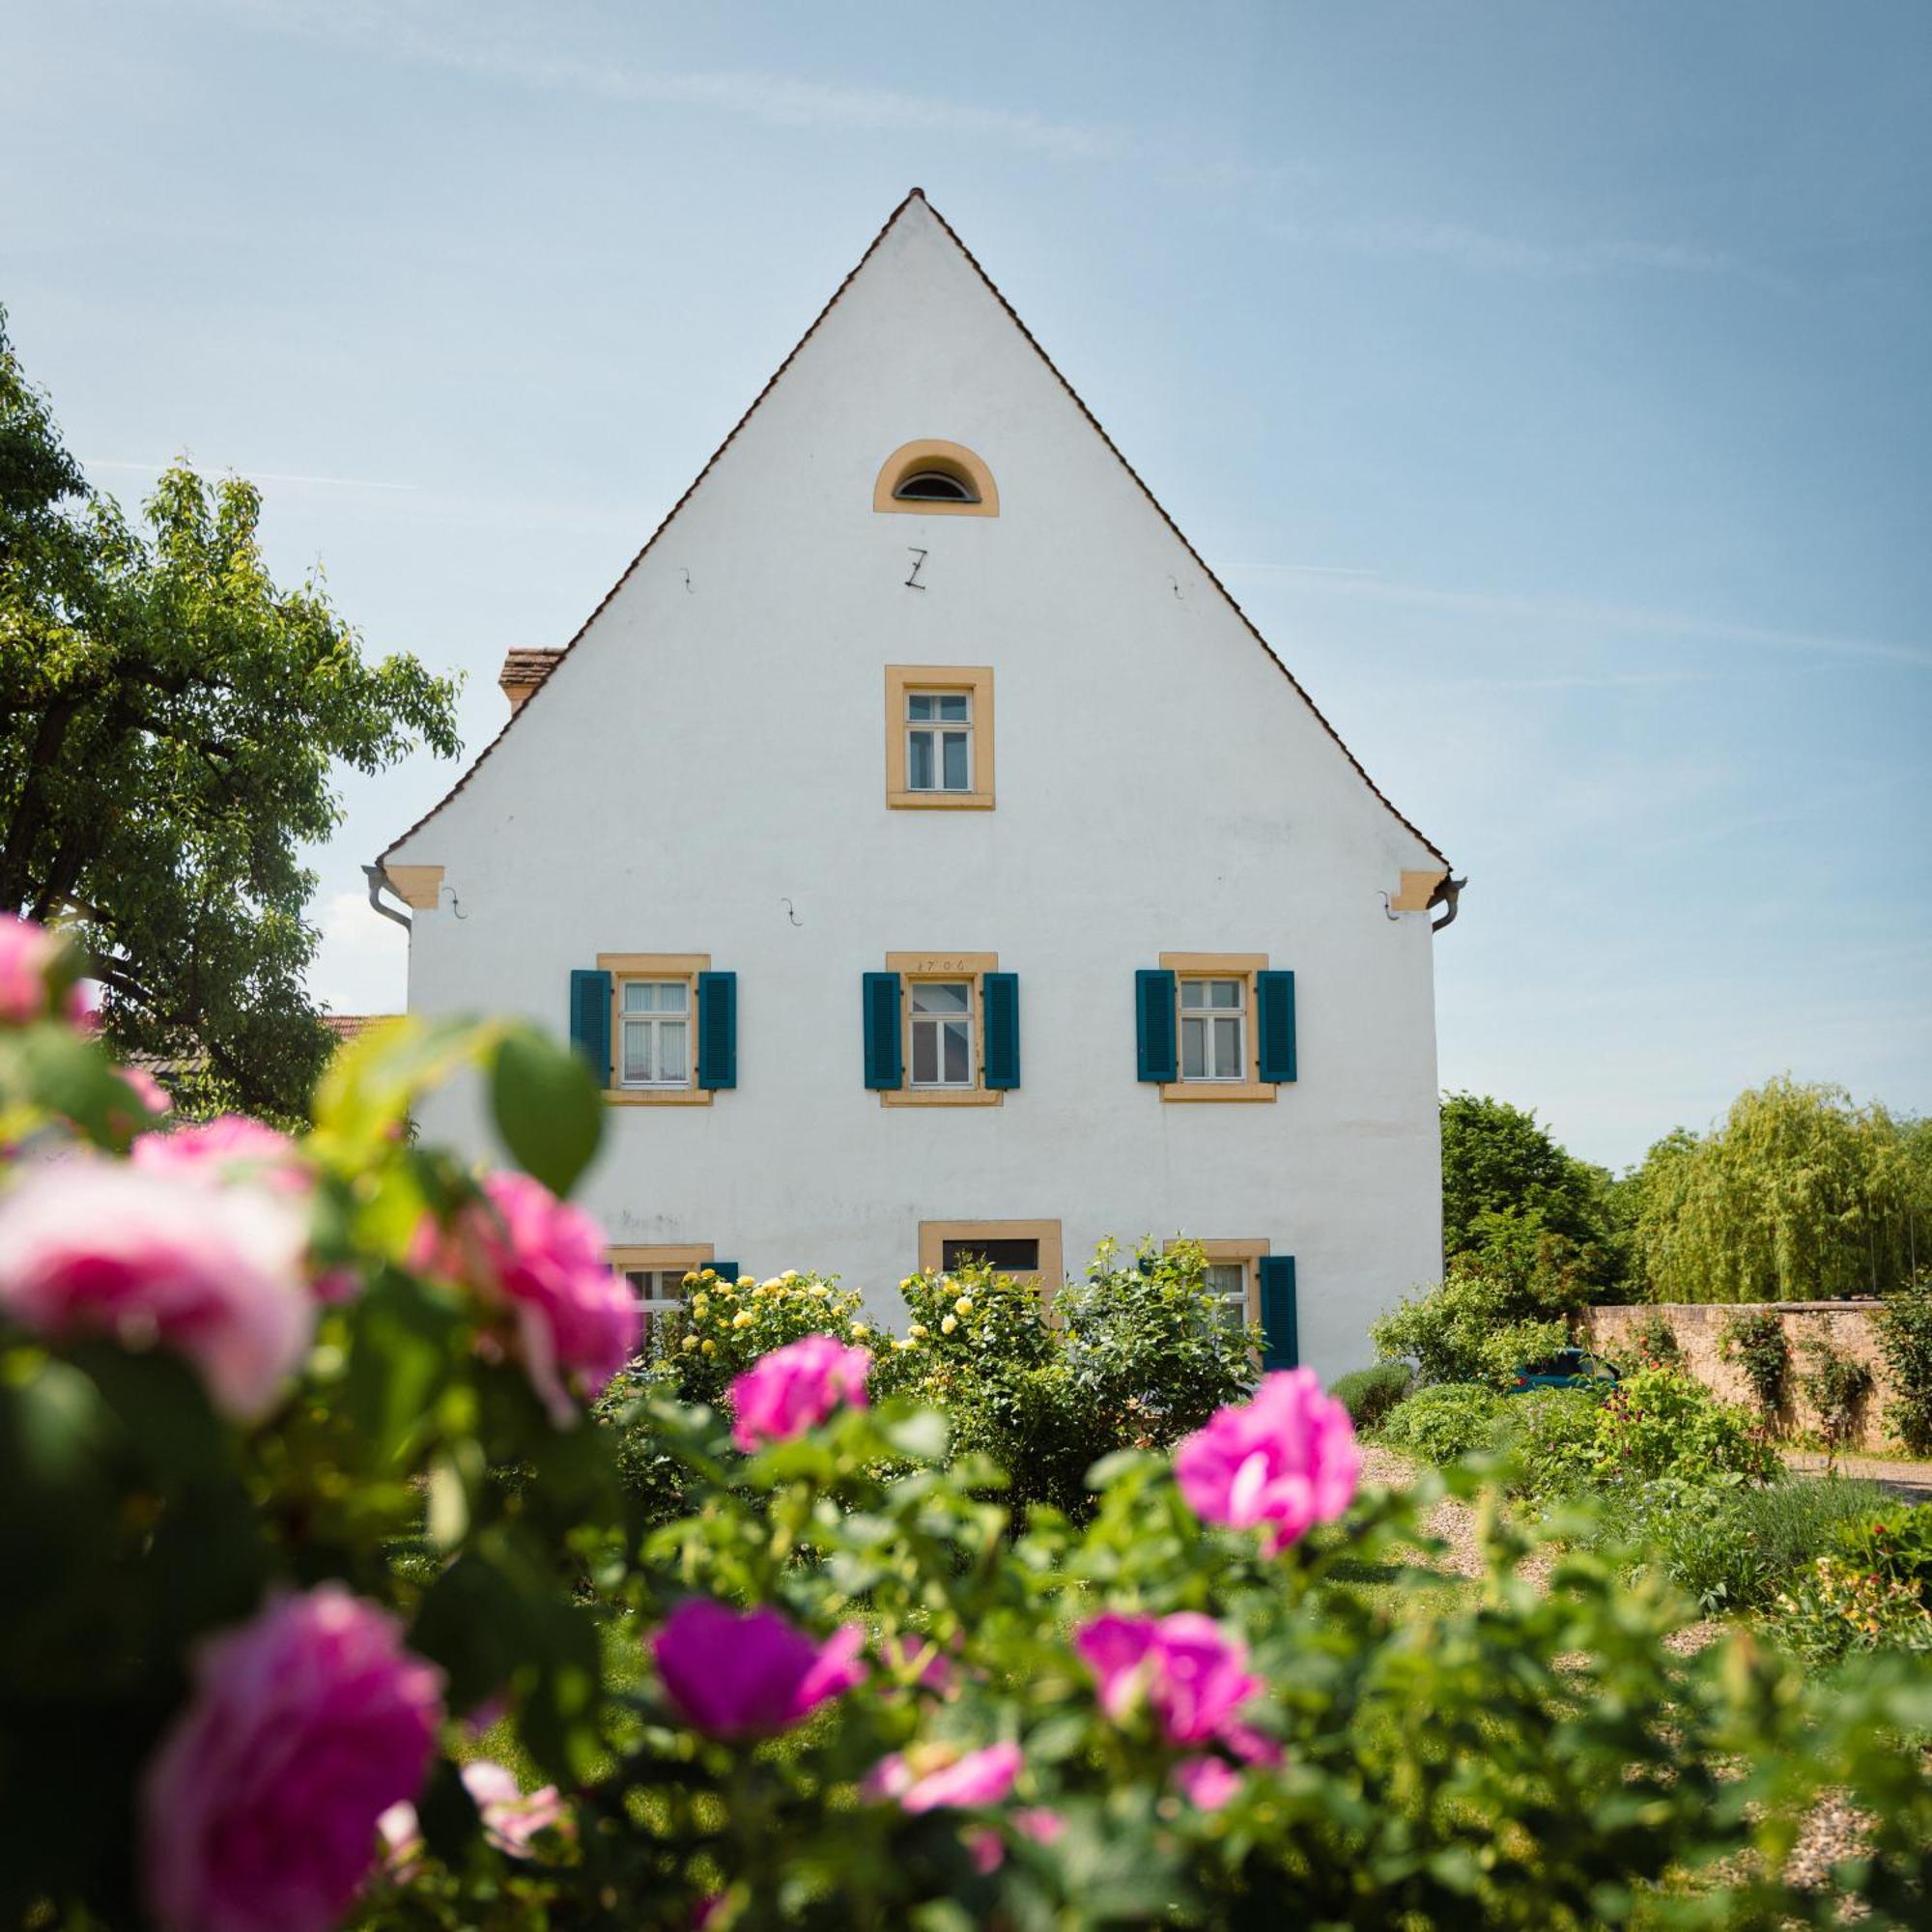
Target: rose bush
point(313, 1655)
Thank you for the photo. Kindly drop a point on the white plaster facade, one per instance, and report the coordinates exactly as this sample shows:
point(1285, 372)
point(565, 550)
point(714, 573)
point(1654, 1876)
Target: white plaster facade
point(749, 822)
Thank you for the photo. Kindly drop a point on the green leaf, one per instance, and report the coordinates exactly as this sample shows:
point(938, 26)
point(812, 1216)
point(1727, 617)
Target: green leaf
point(920, 1436)
point(546, 1107)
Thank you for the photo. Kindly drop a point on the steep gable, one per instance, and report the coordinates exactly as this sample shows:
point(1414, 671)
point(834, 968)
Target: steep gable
point(914, 228)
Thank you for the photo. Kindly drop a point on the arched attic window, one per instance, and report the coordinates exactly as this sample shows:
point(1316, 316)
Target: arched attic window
point(932, 478)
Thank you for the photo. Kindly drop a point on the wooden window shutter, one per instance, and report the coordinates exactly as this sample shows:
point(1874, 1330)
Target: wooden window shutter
point(1281, 1346)
point(1274, 1022)
point(718, 1029)
point(1002, 991)
point(725, 1270)
point(591, 1019)
point(1158, 1035)
point(883, 1068)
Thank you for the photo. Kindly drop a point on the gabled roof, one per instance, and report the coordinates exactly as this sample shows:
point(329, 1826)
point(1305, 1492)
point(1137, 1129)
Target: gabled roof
point(993, 288)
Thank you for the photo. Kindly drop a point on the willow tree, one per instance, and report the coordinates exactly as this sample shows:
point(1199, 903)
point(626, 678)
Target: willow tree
point(1798, 1195)
point(170, 718)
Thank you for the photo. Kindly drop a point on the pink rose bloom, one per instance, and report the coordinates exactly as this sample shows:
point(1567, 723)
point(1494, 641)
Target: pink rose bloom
point(147, 1090)
point(939, 1674)
point(542, 1262)
point(1209, 1783)
point(749, 1673)
point(26, 952)
point(932, 1778)
point(93, 1247)
point(229, 1148)
point(1041, 1825)
point(260, 1809)
point(795, 1388)
point(1288, 1457)
point(511, 1818)
point(1185, 1668)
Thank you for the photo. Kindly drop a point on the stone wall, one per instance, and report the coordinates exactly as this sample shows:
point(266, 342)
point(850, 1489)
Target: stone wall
point(1847, 1327)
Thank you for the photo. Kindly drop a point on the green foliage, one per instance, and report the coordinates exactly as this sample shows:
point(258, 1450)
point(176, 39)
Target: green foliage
point(1658, 1423)
point(1732, 1546)
point(1837, 1387)
point(1444, 1421)
point(1756, 1341)
point(1505, 1181)
point(1905, 1340)
point(1369, 1393)
point(1654, 1342)
point(1873, 1591)
point(1472, 1327)
point(1549, 1436)
point(1798, 1196)
point(724, 1326)
point(1508, 1759)
point(169, 721)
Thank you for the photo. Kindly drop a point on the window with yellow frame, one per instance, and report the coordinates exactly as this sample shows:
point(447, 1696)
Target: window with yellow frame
point(939, 737)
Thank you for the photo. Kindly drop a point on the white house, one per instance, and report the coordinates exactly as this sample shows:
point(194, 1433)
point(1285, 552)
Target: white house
point(932, 858)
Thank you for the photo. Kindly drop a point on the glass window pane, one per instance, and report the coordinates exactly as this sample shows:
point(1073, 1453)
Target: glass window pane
point(1193, 993)
point(673, 996)
point(1227, 993)
point(956, 761)
point(919, 705)
point(670, 1049)
point(940, 995)
point(953, 708)
point(1193, 1049)
point(919, 761)
point(958, 1060)
point(925, 1056)
point(1228, 1048)
point(636, 996)
point(1227, 1278)
point(637, 1050)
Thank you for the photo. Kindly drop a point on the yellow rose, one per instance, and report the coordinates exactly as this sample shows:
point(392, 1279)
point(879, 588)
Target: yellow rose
point(819, 1290)
point(700, 1306)
point(743, 1318)
point(903, 1342)
point(963, 1306)
point(951, 1322)
point(690, 1277)
point(791, 1274)
point(860, 1331)
point(773, 1285)
point(708, 1274)
point(711, 1347)
point(690, 1343)
point(918, 1330)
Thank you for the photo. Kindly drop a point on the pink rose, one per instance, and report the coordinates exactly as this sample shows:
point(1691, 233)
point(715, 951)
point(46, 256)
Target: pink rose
point(147, 1090)
point(1041, 1825)
point(933, 1777)
point(522, 1250)
point(1185, 1669)
point(795, 1388)
point(260, 1808)
point(512, 1818)
point(746, 1674)
point(26, 952)
point(93, 1247)
point(1288, 1457)
point(229, 1148)
point(938, 1674)
point(1208, 1783)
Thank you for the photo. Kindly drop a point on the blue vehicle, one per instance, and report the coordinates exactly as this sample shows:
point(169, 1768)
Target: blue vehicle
point(1566, 1368)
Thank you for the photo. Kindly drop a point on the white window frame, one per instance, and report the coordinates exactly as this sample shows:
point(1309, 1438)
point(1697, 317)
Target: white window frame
point(937, 1023)
point(654, 1021)
point(1239, 1296)
point(1203, 1017)
point(937, 728)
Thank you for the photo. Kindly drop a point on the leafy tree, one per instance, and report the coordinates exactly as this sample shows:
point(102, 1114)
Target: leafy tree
point(1798, 1195)
point(169, 716)
point(1498, 1160)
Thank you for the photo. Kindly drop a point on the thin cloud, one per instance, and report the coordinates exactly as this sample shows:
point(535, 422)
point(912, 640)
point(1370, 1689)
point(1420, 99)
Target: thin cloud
point(1631, 619)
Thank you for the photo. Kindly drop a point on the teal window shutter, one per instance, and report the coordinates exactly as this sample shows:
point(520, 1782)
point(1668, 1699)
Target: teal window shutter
point(718, 1029)
point(1274, 1021)
point(590, 1020)
point(1153, 1015)
point(1281, 1346)
point(725, 1270)
point(1002, 1029)
point(883, 1068)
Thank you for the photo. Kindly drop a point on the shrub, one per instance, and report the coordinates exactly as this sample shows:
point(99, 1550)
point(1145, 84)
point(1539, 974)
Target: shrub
point(1655, 1344)
point(258, 1567)
point(1905, 1338)
point(1443, 1421)
point(1755, 1340)
point(1872, 1592)
point(1551, 1436)
point(1369, 1393)
point(1731, 1545)
point(1836, 1387)
point(1470, 1328)
point(724, 1326)
point(1656, 1423)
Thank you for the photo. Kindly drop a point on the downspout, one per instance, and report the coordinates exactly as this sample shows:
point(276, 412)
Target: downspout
point(376, 883)
point(1448, 896)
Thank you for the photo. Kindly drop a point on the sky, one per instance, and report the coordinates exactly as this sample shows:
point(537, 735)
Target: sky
point(1551, 382)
